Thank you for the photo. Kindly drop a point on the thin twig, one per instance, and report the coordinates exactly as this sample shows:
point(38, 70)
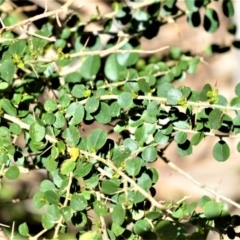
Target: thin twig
point(38, 17)
point(102, 220)
point(199, 184)
point(59, 222)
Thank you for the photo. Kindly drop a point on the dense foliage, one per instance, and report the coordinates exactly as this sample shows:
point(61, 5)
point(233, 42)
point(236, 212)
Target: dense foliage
point(103, 187)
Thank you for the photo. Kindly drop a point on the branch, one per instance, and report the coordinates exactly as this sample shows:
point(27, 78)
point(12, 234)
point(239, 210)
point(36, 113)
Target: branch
point(59, 222)
point(199, 184)
point(102, 221)
point(38, 17)
point(3, 235)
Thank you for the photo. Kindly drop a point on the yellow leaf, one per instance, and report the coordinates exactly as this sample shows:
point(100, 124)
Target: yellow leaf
point(74, 153)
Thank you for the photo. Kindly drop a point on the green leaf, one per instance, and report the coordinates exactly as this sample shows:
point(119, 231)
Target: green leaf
point(221, 151)
point(238, 147)
point(53, 210)
point(133, 166)
point(196, 139)
point(66, 212)
point(140, 21)
point(180, 137)
point(212, 210)
point(17, 47)
point(52, 197)
point(48, 221)
point(149, 154)
point(237, 89)
point(115, 109)
point(37, 132)
point(144, 85)
point(39, 200)
point(8, 107)
point(64, 100)
point(12, 173)
point(173, 96)
point(163, 89)
point(184, 149)
point(7, 71)
point(117, 230)
point(130, 143)
point(109, 187)
point(73, 77)
point(78, 91)
point(141, 135)
point(92, 104)
point(211, 21)
point(160, 138)
point(228, 8)
point(166, 230)
point(127, 59)
point(48, 118)
point(3, 86)
point(104, 115)
point(141, 227)
point(67, 167)
point(100, 208)
point(113, 70)
point(90, 66)
point(23, 229)
point(118, 214)
point(50, 105)
point(215, 118)
point(46, 185)
point(207, 88)
point(76, 111)
point(125, 100)
point(93, 181)
point(78, 202)
point(82, 169)
point(60, 120)
point(71, 135)
point(193, 5)
point(97, 139)
point(144, 181)
point(182, 124)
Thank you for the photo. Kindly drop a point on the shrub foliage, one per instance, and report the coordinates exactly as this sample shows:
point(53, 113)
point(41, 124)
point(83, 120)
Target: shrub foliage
point(103, 187)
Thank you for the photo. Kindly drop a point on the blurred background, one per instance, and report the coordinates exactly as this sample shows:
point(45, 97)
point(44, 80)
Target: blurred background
point(221, 68)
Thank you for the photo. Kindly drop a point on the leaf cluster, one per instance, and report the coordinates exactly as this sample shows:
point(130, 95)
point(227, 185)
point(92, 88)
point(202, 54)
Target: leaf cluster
point(111, 84)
